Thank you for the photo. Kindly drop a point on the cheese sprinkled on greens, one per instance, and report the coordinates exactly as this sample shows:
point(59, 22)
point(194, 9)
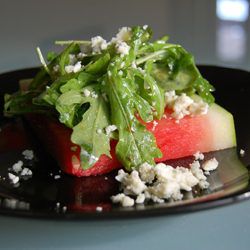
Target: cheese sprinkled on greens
point(92, 85)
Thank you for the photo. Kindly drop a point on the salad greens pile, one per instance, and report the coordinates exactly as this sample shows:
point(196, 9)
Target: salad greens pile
point(95, 88)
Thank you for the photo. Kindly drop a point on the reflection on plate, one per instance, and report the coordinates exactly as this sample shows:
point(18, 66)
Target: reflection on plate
point(68, 197)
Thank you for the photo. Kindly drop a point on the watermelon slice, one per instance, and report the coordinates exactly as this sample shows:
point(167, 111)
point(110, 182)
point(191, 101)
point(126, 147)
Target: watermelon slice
point(210, 132)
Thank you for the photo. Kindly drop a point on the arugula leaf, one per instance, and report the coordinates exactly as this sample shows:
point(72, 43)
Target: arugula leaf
point(136, 145)
point(89, 133)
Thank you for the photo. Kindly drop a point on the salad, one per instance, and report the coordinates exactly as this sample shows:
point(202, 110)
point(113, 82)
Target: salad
point(96, 87)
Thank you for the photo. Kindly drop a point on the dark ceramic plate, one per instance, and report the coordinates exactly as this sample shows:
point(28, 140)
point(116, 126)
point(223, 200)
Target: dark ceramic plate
point(70, 197)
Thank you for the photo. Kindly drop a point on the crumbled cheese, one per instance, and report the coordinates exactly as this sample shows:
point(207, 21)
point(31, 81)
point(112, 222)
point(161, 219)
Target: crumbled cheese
point(181, 103)
point(17, 167)
point(155, 123)
point(140, 198)
point(26, 172)
point(80, 56)
point(210, 165)
point(122, 48)
point(69, 68)
point(158, 183)
point(56, 68)
point(99, 131)
point(197, 171)
point(198, 108)
point(203, 184)
point(94, 95)
point(117, 198)
point(98, 44)
point(198, 156)
point(166, 190)
point(146, 172)
point(14, 179)
point(169, 96)
point(110, 128)
point(242, 152)
point(184, 105)
point(72, 59)
point(28, 154)
point(16, 204)
point(99, 209)
point(124, 34)
point(86, 48)
point(127, 201)
point(77, 66)
point(73, 68)
point(86, 92)
point(132, 184)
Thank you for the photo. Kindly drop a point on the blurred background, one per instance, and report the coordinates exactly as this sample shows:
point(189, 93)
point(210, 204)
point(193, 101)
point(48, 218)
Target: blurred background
point(216, 32)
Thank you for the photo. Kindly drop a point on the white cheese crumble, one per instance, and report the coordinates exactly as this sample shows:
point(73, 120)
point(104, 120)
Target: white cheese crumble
point(99, 209)
point(17, 167)
point(242, 152)
point(86, 48)
point(198, 156)
point(26, 172)
point(110, 128)
point(124, 34)
point(94, 95)
point(28, 154)
point(159, 183)
point(73, 68)
point(56, 68)
point(210, 165)
point(98, 44)
point(14, 179)
point(184, 105)
point(122, 48)
point(86, 92)
point(155, 123)
point(72, 59)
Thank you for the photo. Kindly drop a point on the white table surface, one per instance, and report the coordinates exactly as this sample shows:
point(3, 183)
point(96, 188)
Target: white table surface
point(221, 228)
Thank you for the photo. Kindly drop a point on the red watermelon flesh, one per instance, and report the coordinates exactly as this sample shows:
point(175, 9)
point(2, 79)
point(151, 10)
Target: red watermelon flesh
point(210, 132)
point(184, 137)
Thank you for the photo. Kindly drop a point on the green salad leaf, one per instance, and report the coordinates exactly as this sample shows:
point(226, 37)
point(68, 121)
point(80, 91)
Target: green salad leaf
point(98, 89)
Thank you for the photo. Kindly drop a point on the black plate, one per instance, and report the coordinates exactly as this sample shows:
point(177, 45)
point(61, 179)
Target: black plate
point(77, 198)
